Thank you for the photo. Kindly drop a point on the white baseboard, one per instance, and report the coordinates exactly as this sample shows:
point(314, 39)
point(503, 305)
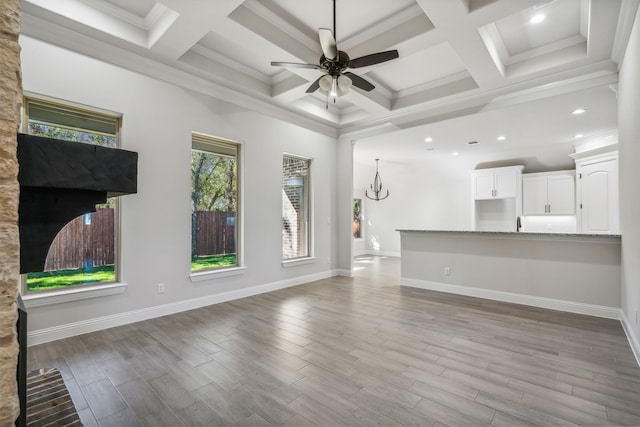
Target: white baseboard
point(53, 333)
point(542, 302)
point(631, 337)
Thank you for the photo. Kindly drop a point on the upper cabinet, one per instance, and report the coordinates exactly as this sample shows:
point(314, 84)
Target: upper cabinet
point(496, 183)
point(549, 193)
point(597, 192)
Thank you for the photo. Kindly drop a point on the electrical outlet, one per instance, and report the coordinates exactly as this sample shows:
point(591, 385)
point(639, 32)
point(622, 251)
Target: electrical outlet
point(328, 260)
point(549, 226)
point(161, 288)
point(447, 271)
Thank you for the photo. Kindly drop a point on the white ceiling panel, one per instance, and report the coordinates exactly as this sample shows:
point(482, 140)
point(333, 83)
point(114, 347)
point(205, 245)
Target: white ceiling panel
point(352, 16)
point(140, 8)
point(422, 67)
point(561, 21)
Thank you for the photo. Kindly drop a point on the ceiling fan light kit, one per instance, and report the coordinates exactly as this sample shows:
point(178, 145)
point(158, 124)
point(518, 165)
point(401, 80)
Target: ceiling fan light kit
point(332, 86)
point(336, 81)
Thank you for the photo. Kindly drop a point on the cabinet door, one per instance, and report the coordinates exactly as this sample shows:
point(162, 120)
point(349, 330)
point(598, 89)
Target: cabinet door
point(599, 198)
point(534, 195)
point(484, 186)
point(561, 195)
point(505, 185)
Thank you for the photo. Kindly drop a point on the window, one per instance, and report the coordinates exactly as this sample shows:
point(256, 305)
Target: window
point(85, 251)
point(296, 212)
point(214, 203)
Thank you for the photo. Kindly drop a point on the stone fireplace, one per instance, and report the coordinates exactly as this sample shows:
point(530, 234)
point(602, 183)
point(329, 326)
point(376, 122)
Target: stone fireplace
point(10, 102)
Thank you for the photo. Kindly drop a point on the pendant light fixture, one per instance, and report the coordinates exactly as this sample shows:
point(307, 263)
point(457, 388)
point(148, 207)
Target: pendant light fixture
point(376, 187)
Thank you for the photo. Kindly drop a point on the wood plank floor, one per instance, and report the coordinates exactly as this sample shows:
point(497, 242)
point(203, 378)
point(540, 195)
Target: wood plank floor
point(353, 351)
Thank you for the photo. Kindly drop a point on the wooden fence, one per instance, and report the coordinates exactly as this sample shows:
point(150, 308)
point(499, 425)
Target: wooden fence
point(215, 233)
point(84, 243)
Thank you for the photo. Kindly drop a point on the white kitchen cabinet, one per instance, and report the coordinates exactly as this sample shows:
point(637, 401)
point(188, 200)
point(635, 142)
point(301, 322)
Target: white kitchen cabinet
point(496, 183)
point(549, 193)
point(496, 195)
point(597, 193)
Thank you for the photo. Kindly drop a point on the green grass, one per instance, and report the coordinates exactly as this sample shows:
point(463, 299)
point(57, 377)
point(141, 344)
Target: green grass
point(47, 280)
point(214, 261)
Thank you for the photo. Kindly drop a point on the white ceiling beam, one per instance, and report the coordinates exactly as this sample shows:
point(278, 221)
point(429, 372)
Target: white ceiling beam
point(460, 29)
point(191, 25)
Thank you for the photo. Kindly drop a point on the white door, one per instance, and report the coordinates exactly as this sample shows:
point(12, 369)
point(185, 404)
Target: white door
point(484, 186)
point(505, 184)
point(561, 195)
point(598, 204)
point(534, 195)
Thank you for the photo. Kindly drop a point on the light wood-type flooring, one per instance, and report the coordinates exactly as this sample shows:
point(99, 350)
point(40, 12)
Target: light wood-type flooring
point(357, 351)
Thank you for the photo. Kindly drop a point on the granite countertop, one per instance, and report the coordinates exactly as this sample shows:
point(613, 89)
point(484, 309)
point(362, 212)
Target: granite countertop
point(523, 234)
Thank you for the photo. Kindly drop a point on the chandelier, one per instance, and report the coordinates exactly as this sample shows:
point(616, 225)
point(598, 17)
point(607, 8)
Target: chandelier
point(376, 187)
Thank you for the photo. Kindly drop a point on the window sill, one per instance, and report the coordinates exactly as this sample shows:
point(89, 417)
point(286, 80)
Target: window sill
point(215, 274)
point(299, 261)
point(39, 299)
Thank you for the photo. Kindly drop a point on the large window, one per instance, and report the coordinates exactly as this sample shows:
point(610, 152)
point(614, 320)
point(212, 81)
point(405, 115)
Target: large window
point(296, 212)
point(85, 251)
point(214, 203)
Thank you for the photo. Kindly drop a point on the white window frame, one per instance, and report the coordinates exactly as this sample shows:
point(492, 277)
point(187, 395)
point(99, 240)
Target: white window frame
point(310, 257)
point(239, 268)
point(88, 290)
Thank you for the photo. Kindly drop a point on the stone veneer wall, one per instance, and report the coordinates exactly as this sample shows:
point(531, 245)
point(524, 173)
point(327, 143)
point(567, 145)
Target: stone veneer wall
point(10, 103)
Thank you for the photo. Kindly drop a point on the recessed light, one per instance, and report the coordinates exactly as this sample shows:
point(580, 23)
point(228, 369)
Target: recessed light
point(501, 138)
point(536, 19)
point(455, 153)
point(578, 135)
point(428, 139)
point(578, 111)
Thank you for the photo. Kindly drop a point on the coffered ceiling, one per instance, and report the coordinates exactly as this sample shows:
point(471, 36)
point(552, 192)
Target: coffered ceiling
point(458, 58)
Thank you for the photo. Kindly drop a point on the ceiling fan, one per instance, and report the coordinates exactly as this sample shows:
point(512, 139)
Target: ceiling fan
point(336, 80)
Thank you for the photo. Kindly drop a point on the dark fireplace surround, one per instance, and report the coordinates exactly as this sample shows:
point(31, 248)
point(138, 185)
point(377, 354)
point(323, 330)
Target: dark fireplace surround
point(60, 180)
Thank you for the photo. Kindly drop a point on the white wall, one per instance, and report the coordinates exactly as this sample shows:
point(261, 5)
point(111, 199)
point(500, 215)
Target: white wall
point(629, 159)
point(382, 218)
point(578, 274)
point(158, 119)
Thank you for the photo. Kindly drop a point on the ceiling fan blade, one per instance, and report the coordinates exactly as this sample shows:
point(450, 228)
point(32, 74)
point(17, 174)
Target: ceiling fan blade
point(295, 65)
point(314, 86)
point(359, 82)
point(374, 58)
point(328, 43)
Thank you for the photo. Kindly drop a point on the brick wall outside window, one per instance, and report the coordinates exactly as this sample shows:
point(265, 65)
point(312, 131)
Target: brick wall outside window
point(295, 210)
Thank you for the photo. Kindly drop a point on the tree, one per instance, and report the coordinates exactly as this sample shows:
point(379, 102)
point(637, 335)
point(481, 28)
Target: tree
point(213, 187)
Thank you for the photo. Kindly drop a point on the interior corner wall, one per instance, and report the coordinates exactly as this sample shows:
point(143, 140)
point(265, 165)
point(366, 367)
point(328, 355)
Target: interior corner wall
point(629, 158)
point(158, 120)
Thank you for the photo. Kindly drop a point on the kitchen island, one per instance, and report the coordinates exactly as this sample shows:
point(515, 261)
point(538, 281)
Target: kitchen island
point(578, 273)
